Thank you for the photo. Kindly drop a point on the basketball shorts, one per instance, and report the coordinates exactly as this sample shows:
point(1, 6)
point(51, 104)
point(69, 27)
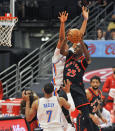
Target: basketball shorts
point(83, 124)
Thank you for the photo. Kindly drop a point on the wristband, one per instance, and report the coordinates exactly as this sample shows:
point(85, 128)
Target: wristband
point(70, 100)
point(85, 18)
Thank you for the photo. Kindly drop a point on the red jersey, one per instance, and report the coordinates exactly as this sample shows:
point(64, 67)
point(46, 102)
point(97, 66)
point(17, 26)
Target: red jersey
point(95, 100)
point(109, 83)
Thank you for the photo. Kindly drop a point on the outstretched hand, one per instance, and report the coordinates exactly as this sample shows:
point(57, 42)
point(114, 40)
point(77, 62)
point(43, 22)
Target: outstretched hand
point(67, 86)
point(63, 16)
point(85, 12)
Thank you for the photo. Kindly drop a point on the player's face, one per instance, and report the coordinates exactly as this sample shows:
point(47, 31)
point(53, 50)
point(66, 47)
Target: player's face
point(95, 84)
point(77, 49)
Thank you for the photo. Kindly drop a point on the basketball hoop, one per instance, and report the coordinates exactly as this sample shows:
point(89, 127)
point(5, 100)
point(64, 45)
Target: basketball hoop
point(7, 24)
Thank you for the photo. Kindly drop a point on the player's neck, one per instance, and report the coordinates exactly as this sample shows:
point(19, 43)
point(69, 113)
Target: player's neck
point(95, 91)
point(48, 95)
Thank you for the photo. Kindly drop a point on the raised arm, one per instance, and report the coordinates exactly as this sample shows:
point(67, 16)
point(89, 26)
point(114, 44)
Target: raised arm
point(63, 18)
point(69, 105)
point(30, 112)
point(64, 48)
point(86, 53)
point(85, 14)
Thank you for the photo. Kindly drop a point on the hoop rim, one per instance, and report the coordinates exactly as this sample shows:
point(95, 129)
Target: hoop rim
point(7, 18)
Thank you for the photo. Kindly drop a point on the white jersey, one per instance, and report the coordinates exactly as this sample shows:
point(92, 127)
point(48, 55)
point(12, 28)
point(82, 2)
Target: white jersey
point(58, 62)
point(49, 113)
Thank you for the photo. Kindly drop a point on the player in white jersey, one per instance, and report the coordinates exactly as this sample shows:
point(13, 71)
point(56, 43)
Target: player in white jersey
point(58, 60)
point(48, 109)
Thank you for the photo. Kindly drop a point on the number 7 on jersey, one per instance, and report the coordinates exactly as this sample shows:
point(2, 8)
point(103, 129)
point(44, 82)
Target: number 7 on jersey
point(49, 112)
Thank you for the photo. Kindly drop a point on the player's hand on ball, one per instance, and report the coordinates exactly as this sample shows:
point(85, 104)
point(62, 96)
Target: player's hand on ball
point(63, 16)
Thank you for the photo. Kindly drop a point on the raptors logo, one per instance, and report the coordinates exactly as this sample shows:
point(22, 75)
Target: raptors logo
point(102, 73)
point(91, 49)
point(110, 49)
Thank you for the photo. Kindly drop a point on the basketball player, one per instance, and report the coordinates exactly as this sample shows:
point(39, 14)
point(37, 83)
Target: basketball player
point(58, 59)
point(58, 62)
point(108, 85)
point(94, 95)
point(32, 97)
point(75, 66)
point(48, 108)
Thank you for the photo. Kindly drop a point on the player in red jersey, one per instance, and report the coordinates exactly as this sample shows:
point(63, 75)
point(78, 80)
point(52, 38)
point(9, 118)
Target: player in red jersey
point(108, 85)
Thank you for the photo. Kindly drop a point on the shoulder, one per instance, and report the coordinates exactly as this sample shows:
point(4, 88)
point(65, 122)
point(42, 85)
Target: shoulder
point(56, 52)
point(35, 104)
point(88, 94)
point(109, 78)
point(57, 56)
point(84, 59)
point(84, 62)
point(87, 91)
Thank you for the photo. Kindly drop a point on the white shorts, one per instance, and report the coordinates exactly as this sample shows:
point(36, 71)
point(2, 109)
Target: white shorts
point(70, 128)
point(54, 129)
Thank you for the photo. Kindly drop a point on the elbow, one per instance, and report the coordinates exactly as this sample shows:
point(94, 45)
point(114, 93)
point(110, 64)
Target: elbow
point(61, 38)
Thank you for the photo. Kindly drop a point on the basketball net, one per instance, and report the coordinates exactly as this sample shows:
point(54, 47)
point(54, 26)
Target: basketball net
point(7, 24)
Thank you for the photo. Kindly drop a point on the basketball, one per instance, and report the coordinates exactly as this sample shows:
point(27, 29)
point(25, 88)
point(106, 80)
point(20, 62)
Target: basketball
point(74, 36)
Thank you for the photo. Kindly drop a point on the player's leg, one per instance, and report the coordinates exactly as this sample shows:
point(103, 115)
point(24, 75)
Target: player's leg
point(80, 100)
